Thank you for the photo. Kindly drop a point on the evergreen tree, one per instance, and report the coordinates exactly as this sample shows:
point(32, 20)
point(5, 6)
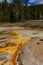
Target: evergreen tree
point(5, 11)
point(17, 11)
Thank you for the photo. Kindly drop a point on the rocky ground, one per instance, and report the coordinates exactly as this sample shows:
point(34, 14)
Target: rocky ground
point(32, 52)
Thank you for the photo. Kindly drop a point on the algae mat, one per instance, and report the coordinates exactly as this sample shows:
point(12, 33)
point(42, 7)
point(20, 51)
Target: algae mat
point(23, 31)
point(10, 44)
point(12, 39)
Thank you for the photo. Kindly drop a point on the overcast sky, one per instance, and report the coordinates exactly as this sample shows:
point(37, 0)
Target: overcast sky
point(30, 2)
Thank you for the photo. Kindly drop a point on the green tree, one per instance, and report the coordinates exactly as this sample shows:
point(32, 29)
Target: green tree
point(5, 11)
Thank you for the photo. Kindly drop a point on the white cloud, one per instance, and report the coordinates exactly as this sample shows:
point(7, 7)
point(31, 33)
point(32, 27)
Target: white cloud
point(1, 0)
point(36, 1)
point(31, 1)
point(40, 2)
point(7, 0)
point(29, 4)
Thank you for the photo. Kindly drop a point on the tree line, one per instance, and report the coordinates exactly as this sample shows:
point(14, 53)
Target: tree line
point(17, 11)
